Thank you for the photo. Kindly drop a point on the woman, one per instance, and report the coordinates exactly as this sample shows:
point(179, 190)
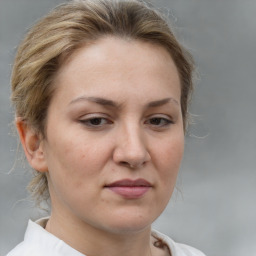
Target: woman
point(101, 90)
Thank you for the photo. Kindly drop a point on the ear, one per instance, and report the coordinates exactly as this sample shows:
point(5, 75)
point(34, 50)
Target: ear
point(32, 144)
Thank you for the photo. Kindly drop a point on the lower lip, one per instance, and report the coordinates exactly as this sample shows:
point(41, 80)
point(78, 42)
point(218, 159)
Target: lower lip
point(130, 192)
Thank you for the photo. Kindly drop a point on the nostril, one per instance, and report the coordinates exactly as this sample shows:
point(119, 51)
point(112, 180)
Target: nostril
point(130, 165)
point(125, 164)
point(131, 156)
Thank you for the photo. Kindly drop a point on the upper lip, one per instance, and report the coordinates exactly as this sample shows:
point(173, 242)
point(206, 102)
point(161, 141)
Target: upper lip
point(130, 183)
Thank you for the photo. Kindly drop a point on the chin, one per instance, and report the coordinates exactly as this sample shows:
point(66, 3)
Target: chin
point(129, 229)
point(125, 224)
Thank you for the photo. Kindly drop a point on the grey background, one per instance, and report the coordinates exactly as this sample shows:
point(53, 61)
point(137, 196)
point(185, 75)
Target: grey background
point(214, 206)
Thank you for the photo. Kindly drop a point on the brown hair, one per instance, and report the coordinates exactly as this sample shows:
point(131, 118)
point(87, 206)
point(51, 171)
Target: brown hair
point(69, 27)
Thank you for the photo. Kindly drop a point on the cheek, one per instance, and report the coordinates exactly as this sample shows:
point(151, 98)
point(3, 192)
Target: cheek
point(73, 170)
point(77, 162)
point(169, 158)
point(167, 161)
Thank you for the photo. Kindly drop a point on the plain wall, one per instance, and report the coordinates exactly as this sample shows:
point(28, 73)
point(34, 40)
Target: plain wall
point(215, 210)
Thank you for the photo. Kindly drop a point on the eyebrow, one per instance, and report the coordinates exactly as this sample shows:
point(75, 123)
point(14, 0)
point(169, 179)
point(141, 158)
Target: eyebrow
point(98, 100)
point(110, 103)
point(162, 102)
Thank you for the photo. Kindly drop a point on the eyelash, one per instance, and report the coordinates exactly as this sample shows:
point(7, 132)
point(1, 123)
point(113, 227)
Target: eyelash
point(89, 122)
point(162, 122)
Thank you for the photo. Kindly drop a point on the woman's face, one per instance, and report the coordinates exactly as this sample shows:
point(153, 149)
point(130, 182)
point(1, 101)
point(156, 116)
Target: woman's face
point(114, 135)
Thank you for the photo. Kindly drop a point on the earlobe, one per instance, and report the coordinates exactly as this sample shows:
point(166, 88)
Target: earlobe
point(32, 144)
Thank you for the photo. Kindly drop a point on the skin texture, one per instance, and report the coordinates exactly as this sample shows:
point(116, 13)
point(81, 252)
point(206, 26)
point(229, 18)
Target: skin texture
point(115, 115)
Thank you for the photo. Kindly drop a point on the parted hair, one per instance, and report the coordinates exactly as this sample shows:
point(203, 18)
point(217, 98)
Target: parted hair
point(69, 27)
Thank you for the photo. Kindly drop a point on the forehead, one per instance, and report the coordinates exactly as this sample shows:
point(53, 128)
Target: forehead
point(115, 64)
point(117, 45)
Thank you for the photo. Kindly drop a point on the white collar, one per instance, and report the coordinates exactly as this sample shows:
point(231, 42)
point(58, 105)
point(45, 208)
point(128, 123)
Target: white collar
point(39, 237)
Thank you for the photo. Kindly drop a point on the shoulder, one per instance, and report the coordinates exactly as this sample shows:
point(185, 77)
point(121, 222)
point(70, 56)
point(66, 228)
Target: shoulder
point(39, 242)
point(177, 249)
point(30, 244)
point(33, 239)
point(20, 250)
point(26, 249)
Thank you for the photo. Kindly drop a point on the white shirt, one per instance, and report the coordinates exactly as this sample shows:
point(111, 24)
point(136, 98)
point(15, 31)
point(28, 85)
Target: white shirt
point(39, 242)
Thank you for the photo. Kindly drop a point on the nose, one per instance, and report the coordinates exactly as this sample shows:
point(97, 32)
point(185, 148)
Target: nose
point(131, 148)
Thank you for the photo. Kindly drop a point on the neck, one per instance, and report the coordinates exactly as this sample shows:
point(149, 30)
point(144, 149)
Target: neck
point(90, 240)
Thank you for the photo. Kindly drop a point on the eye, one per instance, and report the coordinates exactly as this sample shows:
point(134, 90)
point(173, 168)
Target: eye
point(159, 122)
point(95, 122)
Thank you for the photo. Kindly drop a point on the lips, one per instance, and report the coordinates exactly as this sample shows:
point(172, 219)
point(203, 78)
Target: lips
point(130, 189)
